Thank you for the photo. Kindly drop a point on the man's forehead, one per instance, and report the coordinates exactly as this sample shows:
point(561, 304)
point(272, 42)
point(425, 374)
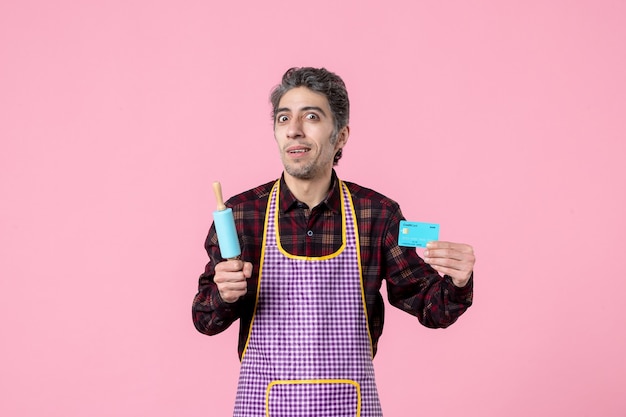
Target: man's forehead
point(302, 97)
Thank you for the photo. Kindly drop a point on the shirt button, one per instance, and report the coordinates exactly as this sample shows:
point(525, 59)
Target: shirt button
point(309, 233)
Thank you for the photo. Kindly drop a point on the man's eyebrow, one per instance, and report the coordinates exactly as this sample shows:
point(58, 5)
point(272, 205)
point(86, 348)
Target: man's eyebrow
point(307, 108)
point(319, 109)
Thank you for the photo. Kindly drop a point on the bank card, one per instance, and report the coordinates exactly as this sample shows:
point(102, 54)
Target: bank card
point(417, 234)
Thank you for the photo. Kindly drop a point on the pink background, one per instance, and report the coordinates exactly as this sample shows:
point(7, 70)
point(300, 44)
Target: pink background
point(503, 121)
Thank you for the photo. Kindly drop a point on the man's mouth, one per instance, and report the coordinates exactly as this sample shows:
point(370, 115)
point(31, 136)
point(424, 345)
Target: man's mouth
point(297, 150)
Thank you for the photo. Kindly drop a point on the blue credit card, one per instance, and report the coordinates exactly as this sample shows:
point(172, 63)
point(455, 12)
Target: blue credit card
point(417, 234)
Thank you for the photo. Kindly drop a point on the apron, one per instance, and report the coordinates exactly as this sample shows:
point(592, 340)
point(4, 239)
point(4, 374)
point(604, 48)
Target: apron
point(309, 351)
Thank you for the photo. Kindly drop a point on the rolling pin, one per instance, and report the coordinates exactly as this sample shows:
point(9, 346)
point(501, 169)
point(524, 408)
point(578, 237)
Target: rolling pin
point(225, 226)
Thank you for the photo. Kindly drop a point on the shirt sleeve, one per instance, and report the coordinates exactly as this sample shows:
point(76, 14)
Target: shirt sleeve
point(212, 315)
point(415, 287)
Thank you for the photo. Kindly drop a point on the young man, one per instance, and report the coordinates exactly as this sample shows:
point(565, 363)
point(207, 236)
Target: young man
point(315, 251)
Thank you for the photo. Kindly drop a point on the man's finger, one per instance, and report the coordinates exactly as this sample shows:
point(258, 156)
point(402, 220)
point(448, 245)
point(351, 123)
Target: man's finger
point(233, 265)
point(441, 244)
point(446, 254)
point(247, 269)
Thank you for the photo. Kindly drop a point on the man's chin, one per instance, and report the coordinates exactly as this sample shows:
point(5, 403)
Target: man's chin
point(301, 173)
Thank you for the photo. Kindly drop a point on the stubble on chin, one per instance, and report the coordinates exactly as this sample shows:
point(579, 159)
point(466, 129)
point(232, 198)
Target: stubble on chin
point(305, 172)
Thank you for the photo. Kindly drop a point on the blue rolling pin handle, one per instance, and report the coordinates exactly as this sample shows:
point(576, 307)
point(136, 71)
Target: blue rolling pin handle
point(226, 233)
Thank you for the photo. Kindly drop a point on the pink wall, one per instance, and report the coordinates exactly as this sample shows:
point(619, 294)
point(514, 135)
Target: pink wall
point(503, 121)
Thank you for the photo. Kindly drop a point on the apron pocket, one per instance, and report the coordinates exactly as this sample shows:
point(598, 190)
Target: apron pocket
point(313, 398)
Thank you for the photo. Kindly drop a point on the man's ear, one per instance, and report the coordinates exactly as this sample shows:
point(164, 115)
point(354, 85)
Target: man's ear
point(342, 137)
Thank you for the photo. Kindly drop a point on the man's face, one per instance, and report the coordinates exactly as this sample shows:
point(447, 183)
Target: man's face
point(303, 129)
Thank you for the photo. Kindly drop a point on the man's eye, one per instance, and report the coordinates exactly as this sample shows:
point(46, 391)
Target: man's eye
point(281, 118)
point(311, 116)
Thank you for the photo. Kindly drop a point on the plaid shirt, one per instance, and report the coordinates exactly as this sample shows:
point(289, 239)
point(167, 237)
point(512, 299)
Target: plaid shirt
point(412, 285)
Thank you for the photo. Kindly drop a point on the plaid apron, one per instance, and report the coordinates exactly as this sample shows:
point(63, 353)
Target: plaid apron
point(309, 351)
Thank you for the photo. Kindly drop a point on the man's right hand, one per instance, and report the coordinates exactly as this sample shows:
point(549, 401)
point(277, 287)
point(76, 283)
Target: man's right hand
point(231, 279)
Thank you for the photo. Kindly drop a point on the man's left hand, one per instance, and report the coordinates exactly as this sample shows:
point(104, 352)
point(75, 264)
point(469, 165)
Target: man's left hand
point(453, 259)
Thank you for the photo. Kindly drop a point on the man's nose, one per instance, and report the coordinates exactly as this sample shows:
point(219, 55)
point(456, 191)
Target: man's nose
point(294, 129)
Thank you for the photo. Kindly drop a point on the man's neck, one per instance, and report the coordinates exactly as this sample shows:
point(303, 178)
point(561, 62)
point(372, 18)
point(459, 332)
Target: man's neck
point(311, 192)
